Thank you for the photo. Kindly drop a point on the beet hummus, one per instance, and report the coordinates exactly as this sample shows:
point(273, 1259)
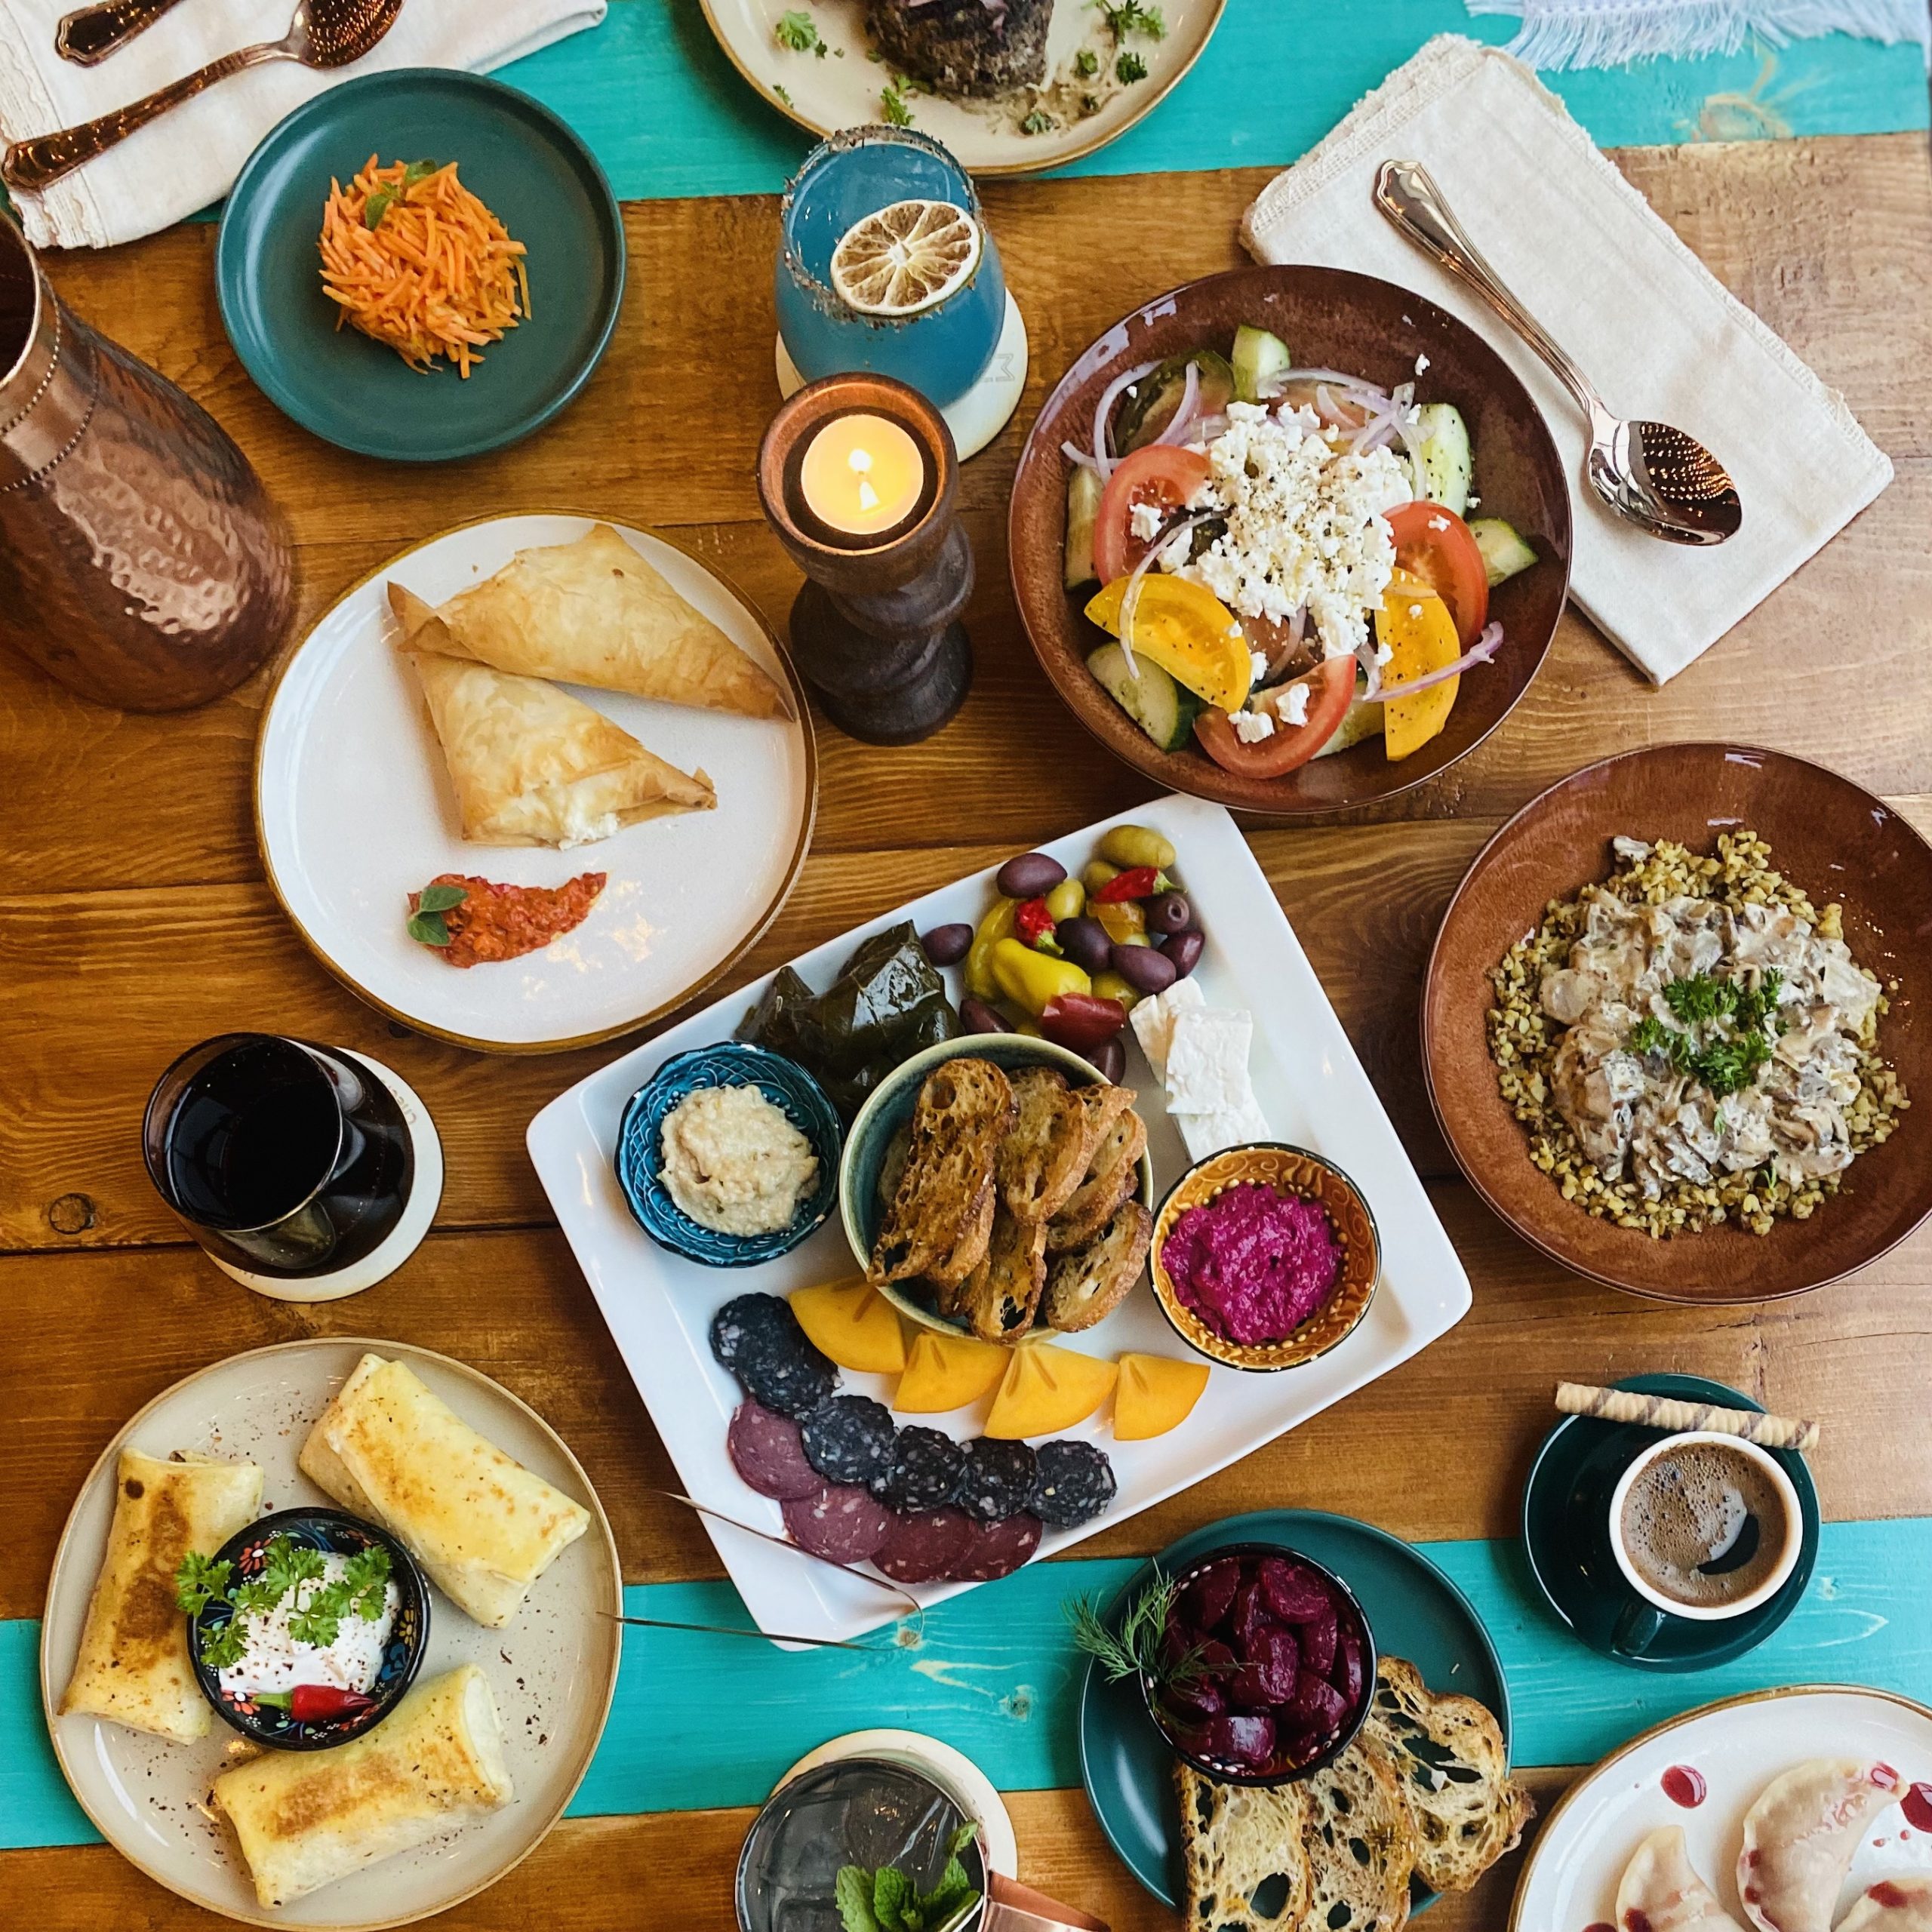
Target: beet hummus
point(1253, 1264)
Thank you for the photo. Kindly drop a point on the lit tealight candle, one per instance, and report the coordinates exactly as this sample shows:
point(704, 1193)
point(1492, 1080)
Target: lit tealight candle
point(863, 475)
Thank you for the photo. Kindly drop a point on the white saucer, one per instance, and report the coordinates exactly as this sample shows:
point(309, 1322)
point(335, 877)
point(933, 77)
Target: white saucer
point(976, 417)
point(425, 1192)
point(952, 1771)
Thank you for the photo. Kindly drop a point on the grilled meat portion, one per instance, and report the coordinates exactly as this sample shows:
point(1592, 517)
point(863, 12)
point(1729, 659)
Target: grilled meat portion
point(976, 48)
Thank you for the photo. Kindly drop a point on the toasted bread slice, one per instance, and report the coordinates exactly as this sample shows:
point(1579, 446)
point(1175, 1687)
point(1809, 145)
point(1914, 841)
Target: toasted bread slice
point(1361, 1843)
point(964, 1110)
point(1086, 1284)
point(1046, 1156)
point(1454, 1769)
point(999, 1298)
point(1112, 1179)
point(948, 1278)
point(1240, 1843)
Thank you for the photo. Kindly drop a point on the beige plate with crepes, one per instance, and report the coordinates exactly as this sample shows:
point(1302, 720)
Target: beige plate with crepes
point(552, 1669)
point(843, 89)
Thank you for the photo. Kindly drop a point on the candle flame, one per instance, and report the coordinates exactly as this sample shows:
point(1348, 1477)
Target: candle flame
point(868, 497)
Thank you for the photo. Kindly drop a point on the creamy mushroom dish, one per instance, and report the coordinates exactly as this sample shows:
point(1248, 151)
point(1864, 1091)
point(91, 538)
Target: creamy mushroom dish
point(1691, 1042)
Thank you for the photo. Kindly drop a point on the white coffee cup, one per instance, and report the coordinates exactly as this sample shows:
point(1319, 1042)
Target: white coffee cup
point(1792, 1529)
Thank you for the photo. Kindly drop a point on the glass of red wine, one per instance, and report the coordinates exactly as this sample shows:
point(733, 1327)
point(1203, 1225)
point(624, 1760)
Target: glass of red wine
point(284, 1159)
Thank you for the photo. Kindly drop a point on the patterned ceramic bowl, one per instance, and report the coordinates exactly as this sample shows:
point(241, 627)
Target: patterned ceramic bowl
point(329, 1532)
point(640, 1158)
point(1289, 1171)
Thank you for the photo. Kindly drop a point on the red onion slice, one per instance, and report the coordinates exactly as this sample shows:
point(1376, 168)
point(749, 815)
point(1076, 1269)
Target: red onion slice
point(1480, 652)
point(1084, 458)
point(1102, 462)
point(1130, 600)
point(1171, 437)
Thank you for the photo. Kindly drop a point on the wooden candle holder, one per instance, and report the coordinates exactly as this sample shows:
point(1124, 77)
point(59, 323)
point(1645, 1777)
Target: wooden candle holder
point(875, 628)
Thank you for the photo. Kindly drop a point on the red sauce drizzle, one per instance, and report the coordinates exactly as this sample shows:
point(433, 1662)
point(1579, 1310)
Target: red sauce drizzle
point(1886, 1893)
point(1685, 1786)
point(1635, 1920)
point(1600, 1925)
point(1917, 1806)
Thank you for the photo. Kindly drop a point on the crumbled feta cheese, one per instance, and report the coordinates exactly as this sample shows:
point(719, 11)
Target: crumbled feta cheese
point(1251, 727)
point(1422, 363)
point(1475, 502)
point(1438, 523)
point(1304, 525)
point(1257, 660)
point(1382, 653)
point(1175, 552)
point(1292, 704)
point(1145, 521)
point(1415, 610)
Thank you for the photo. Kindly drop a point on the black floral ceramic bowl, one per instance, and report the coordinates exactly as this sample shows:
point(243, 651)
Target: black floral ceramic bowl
point(279, 1596)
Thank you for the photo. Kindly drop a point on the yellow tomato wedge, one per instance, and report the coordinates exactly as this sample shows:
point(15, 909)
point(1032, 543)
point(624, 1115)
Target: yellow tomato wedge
point(1188, 631)
point(1416, 624)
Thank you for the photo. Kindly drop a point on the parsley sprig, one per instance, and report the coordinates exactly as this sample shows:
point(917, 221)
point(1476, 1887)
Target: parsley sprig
point(290, 1570)
point(1130, 16)
point(798, 33)
point(886, 1900)
point(383, 199)
point(1728, 1029)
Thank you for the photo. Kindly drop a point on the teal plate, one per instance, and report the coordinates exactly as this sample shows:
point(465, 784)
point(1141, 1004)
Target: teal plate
point(1566, 1535)
point(524, 162)
point(1414, 1610)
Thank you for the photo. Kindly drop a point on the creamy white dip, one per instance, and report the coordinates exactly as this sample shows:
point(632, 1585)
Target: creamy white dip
point(275, 1661)
point(734, 1163)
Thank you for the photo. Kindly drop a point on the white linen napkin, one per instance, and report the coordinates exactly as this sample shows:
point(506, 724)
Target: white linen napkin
point(182, 162)
point(1655, 330)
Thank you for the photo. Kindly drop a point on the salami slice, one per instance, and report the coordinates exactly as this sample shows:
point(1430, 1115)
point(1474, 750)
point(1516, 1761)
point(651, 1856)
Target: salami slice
point(923, 1545)
point(839, 1520)
point(767, 1452)
point(997, 1549)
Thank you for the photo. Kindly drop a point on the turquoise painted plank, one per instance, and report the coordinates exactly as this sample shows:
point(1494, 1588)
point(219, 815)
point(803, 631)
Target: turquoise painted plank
point(668, 116)
point(703, 1721)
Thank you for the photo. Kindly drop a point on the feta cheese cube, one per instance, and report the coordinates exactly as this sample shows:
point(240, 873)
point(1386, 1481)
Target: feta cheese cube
point(1207, 1060)
point(1153, 1021)
point(1292, 704)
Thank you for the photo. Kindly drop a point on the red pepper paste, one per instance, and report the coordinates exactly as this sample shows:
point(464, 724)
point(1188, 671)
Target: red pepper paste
point(497, 922)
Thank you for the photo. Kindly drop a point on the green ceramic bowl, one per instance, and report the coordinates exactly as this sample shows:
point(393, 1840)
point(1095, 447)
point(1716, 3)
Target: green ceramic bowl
point(524, 163)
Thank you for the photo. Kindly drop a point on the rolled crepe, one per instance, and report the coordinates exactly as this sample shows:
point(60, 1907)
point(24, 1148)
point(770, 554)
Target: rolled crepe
point(306, 1819)
point(595, 612)
point(481, 1524)
point(133, 1666)
point(531, 765)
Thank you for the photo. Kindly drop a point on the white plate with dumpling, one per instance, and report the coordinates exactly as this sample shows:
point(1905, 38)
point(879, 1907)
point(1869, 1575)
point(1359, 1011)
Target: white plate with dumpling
point(1815, 1816)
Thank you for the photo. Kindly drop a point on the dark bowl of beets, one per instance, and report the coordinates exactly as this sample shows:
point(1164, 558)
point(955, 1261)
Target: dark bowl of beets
point(1284, 1669)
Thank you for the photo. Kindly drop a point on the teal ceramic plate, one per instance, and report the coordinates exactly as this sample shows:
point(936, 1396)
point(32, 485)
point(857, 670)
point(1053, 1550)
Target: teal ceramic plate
point(524, 163)
point(1566, 1534)
point(1415, 1611)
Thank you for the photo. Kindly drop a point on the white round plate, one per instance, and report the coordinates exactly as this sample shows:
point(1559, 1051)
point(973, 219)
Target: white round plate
point(552, 1668)
point(843, 89)
point(354, 811)
point(1737, 1747)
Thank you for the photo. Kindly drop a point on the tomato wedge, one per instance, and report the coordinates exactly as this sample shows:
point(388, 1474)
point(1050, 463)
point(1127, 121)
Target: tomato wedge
point(1434, 544)
point(1331, 689)
point(1162, 478)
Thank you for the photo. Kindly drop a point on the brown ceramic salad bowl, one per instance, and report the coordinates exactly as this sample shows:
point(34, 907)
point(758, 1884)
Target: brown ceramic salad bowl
point(1827, 836)
point(1332, 319)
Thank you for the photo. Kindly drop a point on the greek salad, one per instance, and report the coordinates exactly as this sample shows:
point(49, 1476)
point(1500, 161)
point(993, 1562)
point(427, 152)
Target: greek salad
point(1282, 555)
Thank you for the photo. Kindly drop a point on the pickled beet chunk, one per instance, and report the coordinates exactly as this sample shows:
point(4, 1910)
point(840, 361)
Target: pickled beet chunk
point(1293, 1594)
point(1348, 1673)
point(1216, 1660)
point(1243, 1738)
point(1275, 1660)
point(1198, 1697)
point(1251, 1616)
point(946, 945)
point(1319, 1642)
point(1209, 1597)
point(1316, 1705)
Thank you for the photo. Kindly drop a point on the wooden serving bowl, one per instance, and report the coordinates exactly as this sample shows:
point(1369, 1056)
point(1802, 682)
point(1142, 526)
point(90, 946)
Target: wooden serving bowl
point(1834, 841)
point(1333, 318)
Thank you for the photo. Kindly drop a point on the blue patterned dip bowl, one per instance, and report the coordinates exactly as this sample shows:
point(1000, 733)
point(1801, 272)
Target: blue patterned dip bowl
point(640, 1158)
point(328, 1532)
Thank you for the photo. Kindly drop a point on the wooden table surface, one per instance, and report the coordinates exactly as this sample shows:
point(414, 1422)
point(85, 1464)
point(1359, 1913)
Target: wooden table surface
point(133, 921)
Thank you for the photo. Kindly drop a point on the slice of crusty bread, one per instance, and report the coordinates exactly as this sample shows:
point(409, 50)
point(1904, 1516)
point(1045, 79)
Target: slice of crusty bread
point(1360, 1844)
point(1112, 1178)
point(1454, 1771)
point(999, 1297)
point(1086, 1284)
point(1046, 1156)
point(947, 1278)
point(965, 1108)
point(1237, 1842)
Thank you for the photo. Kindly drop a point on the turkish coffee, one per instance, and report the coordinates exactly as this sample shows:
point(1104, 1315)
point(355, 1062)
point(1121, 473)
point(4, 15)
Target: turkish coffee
point(1704, 1525)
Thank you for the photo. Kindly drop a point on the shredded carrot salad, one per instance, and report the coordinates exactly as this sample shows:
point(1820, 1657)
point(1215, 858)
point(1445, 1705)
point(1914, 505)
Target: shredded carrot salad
point(412, 259)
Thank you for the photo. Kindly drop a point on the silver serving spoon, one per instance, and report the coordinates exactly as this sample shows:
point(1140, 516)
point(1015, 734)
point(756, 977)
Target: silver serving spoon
point(324, 33)
point(1662, 479)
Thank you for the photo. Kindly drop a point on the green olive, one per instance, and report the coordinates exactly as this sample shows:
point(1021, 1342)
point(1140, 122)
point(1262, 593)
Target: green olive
point(1096, 873)
point(1128, 846)
point(1110, 985)
point(1067, 900)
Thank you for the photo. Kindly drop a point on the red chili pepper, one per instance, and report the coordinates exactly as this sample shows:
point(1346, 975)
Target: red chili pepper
point(1034, 925)
point(1136, 882)
point(317, 1703)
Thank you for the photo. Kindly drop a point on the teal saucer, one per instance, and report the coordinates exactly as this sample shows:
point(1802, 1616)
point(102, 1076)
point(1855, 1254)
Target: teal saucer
point(1566, 1536)
point(1414, 1610)
point(524, 162)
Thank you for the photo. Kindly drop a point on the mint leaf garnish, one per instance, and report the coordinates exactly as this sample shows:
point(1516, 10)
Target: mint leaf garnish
point(853, 1891)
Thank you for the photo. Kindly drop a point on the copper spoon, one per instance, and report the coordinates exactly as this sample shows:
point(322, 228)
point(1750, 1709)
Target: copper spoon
point(88, 34)
point(1659, 478)
point(324, 33)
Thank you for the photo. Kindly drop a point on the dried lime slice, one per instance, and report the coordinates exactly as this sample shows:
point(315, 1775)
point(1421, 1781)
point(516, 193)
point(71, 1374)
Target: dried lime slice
point(905, 257)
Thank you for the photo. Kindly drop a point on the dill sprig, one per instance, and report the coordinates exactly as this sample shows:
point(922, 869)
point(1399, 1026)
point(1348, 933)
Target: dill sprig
point(1135, 1649)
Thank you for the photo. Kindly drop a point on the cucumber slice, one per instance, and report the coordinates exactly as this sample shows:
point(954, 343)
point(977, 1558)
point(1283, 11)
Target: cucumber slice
point(1164, 710)
point(1084, 488)
point(1259, 361)
point(1149, 406)
point(1360, 722)
point(1447, 462)
point(1505, 554)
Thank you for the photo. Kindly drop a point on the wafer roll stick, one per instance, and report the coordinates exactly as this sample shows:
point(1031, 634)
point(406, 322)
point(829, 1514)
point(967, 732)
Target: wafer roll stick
point(1578, 1398)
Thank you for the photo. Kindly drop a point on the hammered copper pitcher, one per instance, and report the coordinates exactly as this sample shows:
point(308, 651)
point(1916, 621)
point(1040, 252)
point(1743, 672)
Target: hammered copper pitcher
point(141, 561)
